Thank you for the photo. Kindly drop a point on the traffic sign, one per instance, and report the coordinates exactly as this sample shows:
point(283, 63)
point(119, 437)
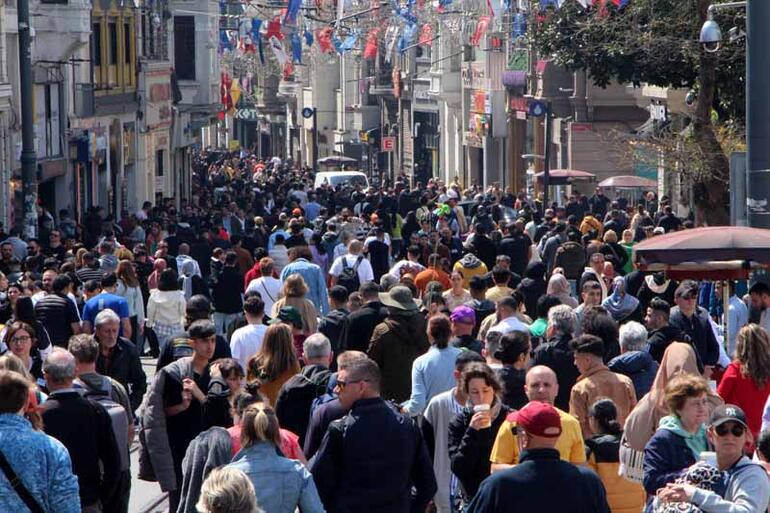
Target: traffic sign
point(307, 112)
point(537, 109)
point(250, 114)
point(388, 143)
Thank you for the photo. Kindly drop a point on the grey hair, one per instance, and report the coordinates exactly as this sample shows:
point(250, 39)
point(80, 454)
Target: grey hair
point(388, 281)
point(59, 365)
point(316, 346)
point(106, 316)
point(226, 490)
point(492, 342)
point(633, 336)
point(562, 319)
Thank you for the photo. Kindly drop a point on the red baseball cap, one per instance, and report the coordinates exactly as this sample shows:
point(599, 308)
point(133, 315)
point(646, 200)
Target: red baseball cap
point(538, 419)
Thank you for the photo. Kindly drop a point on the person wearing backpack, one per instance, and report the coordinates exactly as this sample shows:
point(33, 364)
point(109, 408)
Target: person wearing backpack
point(85, 429)
point(333, 323)
point(353, 269)
point(298, 393)
point(113, 397)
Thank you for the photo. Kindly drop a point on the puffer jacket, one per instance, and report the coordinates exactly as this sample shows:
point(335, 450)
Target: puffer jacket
point(395, 344)
point(623, 496)
point(468, 267)
point(637, 365)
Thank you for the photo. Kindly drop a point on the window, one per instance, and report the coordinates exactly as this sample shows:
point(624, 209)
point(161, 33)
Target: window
point(48, 120)
point(184, 47)
point(96, 34)
point(113, 35)
point(127, 42)
point(159, 163)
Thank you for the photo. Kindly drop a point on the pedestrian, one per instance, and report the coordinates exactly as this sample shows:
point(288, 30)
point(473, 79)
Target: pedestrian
point(397, 341)
point(634, 361)
point(108, 298)
point(247, 340)
point(359, 325)
point(541, 481)
point(513, 354)
point(294, 294)
point(166, 308)
point(39, 464)
point(225, 294)
point(300, 263)
point(274, 363)
point(602, 449)
point(129, 289)
point(267, 285)
point(228, 490)
point(57, 313)
point(90, 441)
point(472, 433)
point(333, 323)
point(556, 352)
point(747, 486)
point(281, 485)
point(432, 371)
point(387, 467)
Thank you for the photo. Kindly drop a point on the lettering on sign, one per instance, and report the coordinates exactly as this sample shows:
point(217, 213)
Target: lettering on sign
point(388, 144)
point(246, 114)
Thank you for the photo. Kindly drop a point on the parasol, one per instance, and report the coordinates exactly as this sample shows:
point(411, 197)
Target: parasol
point(628, 182)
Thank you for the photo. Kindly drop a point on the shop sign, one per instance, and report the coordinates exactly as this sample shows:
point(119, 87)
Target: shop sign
point(473, 139)
point(475, 76)
point(481, 102)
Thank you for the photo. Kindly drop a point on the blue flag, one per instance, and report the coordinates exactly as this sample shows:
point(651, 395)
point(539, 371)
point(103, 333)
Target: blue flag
point(291, 11)
point(308, 38)
point(296, 48)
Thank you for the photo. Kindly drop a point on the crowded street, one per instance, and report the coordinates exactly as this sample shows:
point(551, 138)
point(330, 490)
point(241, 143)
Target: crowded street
point(364, 256)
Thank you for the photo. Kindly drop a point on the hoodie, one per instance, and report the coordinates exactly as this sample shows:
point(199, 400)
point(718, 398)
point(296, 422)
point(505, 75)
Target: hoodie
point(469, 266)
point(395, 344)
point(748, 490)
point(533, 286)
point(637, 365)
point(660, 339)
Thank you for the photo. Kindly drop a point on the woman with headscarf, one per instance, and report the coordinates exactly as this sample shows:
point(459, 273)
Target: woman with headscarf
point(643, 420)
point(559, 286)
point(190, 283)
point(621, 306)
point(533, 286)
point(157, 267)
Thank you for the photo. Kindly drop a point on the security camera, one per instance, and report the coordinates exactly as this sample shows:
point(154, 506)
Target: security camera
point(710, 36)
point(690, 98)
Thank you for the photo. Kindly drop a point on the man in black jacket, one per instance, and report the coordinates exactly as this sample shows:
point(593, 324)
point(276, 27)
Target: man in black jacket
point(297, 394)
point(694, 321)
point(359, 325)
point(530, 485)
point(333, 323)
point(660, 334)
point(118, 357)
point(85, 429)
point(556, 353)
point(372, 458)
point(225, 293)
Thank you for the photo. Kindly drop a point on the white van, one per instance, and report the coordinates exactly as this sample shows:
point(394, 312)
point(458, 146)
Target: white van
point(338, 178)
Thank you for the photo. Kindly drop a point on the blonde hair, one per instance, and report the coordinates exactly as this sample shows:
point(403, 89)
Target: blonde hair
point(227, 490)
point(11, 362)
point(123, 253)
point(259, 424)
point(294, 286)
point(610, 236)
point(752, 350)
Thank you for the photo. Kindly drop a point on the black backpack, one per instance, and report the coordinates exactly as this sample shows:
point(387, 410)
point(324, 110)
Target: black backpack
point(348, 278)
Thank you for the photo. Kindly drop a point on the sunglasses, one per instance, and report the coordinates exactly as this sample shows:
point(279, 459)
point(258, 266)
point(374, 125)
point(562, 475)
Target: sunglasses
point(737, 430)
point(342, 384)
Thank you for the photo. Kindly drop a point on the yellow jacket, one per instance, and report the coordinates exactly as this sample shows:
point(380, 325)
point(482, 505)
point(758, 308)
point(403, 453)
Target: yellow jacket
point(622, 496)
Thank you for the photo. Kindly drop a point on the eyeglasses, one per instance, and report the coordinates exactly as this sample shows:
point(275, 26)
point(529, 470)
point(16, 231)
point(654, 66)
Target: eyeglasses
point(737, 430)
point(21, 339)
point(342, 384)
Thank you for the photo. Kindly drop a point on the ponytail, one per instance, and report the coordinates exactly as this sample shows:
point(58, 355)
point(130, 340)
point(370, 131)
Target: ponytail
point(605, 413)
point(259, 424)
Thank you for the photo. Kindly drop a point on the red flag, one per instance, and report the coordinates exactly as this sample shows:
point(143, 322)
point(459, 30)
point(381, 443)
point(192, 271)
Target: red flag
point(274, 29)
point(370, 49)
point(324, 38)
point(481, 29)
point(426, 35)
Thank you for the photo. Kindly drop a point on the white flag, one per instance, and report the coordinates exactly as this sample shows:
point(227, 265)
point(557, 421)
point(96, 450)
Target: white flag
point(278, 50)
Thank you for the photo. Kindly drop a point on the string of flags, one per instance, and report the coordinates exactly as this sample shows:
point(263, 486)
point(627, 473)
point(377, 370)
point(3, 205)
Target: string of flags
point(400, 24)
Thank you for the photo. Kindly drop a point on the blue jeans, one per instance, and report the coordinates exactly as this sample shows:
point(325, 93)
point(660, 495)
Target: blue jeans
point(222, 321)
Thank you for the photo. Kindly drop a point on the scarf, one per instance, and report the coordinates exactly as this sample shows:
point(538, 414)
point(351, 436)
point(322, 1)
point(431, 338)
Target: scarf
point(619, 304)
point(697, 442)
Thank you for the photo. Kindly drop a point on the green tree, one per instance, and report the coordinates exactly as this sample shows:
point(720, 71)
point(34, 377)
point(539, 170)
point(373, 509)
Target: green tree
point(656, 42)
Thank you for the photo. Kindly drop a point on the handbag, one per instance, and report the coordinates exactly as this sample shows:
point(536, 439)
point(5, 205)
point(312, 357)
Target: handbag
point(631, 462)
point(19, 487)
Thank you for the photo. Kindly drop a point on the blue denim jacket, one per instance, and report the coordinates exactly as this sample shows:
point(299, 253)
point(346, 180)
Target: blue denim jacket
point(315, 280)
point(281, 484)
point(43, 465)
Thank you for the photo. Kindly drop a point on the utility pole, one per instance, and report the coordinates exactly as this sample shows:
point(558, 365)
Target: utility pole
point(28, 156)
point(547, 155)
point(758, 110)
point(315, 139)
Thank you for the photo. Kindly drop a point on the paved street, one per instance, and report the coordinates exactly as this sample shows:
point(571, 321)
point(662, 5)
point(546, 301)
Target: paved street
point(146, 497)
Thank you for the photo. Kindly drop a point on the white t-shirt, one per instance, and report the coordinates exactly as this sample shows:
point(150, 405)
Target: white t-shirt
point(246, 341)
point(510, 324)
point(268, 287)
point(365, 272)
point(408, 266)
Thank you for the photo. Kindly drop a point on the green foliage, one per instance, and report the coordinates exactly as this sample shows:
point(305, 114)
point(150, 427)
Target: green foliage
point(647, 41)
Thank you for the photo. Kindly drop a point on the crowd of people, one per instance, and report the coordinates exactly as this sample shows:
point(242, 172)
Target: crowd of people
point(391, 349)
